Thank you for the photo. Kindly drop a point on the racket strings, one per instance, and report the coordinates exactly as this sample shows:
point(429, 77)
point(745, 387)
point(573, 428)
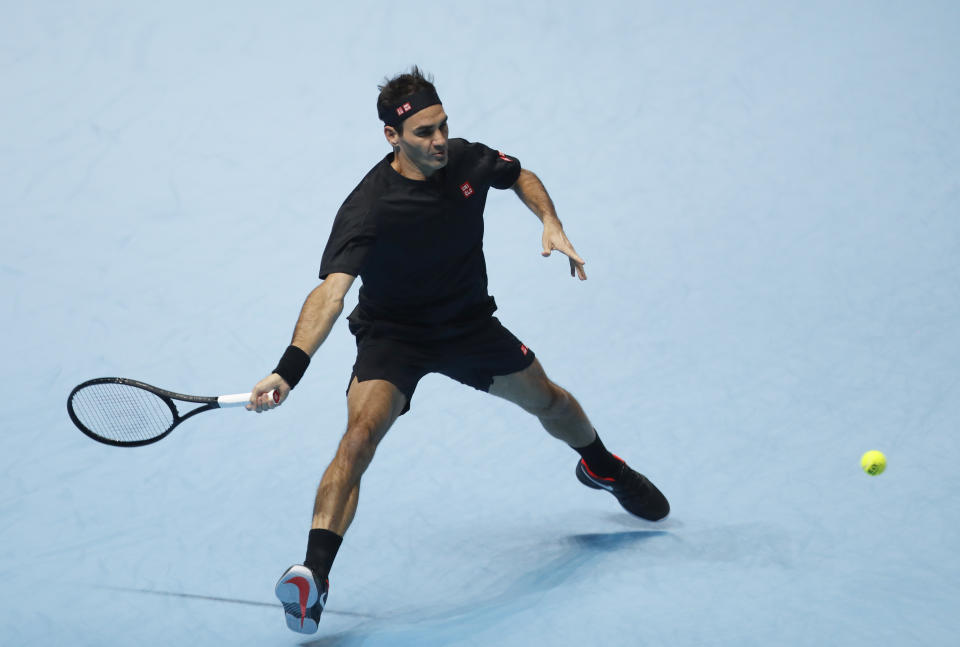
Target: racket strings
point(122, 412)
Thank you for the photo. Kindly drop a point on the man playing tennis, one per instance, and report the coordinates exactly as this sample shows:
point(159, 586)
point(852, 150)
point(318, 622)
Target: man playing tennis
point(413, 231)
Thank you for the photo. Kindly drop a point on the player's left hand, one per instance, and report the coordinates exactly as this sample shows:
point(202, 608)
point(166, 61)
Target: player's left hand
point(555, 239)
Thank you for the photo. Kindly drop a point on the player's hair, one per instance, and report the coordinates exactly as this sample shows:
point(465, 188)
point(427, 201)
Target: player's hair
point(403, 85)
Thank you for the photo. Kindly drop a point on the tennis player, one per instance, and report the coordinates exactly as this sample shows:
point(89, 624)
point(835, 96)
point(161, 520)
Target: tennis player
point(412, 230)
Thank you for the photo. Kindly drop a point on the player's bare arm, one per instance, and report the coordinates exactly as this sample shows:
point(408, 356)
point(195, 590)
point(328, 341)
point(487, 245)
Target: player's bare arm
point(531, 191)
point(317, 316)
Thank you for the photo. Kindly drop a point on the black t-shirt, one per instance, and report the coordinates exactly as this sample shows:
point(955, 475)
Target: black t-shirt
point(418, 245)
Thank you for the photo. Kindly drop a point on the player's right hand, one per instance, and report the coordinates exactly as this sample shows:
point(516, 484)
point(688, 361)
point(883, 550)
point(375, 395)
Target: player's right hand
point(260, 399)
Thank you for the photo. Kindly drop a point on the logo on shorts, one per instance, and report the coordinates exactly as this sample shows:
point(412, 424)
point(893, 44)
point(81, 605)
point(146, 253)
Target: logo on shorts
point(467, 189)
point(524, 349)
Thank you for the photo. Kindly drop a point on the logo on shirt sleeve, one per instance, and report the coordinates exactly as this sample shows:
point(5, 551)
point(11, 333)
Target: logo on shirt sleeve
point(466, 189)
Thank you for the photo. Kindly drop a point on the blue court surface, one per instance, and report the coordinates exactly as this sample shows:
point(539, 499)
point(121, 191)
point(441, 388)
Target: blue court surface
point(767, 195)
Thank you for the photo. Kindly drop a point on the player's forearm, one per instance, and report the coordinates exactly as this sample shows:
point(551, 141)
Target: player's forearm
point(531, 191)
point(320, 311)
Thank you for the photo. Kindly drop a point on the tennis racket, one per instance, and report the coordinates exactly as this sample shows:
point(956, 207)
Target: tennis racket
point(127, 413)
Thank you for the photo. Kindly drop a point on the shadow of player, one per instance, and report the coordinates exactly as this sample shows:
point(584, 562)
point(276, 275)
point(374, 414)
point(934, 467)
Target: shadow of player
point(510, 595)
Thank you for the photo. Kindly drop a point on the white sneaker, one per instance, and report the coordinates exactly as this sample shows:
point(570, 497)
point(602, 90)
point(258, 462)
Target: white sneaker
point(303, 597)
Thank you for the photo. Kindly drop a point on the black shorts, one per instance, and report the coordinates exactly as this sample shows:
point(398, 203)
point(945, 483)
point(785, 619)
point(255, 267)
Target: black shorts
point(473, 358)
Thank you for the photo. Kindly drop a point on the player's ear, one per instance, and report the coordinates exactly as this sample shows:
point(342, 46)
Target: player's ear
point(392, 135)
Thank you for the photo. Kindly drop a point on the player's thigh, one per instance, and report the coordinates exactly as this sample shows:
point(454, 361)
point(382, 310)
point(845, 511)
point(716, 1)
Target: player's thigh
point(530, 388)
point(372, 407)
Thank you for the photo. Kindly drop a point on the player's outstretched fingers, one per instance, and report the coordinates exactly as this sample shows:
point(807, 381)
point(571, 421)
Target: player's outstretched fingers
point(577, 268)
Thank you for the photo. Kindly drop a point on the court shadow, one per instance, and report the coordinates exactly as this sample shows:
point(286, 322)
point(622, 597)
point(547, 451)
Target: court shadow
point(603, 542)
point(508, 596)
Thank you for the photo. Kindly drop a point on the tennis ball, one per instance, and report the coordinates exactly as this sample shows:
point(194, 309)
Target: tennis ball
point(874, 462)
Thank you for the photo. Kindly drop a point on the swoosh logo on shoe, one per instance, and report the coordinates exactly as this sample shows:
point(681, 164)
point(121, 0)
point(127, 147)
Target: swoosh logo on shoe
point(323, 598)
point(594, 479)
point(304, 587)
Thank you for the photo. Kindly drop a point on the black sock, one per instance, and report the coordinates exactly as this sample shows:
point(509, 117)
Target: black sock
point(600, 461)
point(322, 547)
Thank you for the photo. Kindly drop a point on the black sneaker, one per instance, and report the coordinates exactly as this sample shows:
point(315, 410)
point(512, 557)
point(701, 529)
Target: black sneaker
point(633, 490)
point(304, 596)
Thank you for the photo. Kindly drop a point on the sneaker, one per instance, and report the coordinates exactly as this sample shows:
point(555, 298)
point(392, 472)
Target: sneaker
point(304, 595)
point(633, 490)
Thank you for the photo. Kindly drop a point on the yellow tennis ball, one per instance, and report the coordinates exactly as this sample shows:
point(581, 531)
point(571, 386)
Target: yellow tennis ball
point(874, 462)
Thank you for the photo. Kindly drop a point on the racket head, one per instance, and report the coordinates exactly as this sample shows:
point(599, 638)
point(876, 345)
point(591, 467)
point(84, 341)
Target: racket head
point(123, 412)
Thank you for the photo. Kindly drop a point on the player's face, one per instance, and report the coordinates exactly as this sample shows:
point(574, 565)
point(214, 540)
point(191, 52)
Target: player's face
point(424, 140)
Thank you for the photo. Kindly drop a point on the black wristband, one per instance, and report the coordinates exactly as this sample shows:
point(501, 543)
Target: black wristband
point(292, 365)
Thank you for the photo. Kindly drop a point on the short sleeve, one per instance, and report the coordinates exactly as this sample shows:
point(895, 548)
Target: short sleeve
point(505, 169)
point(490, 166)
point(350, 239)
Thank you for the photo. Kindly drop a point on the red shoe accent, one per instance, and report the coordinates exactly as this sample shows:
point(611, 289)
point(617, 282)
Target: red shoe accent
point(304, 587)
point(608, 479)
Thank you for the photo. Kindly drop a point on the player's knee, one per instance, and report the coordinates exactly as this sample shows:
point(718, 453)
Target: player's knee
point(358, 445)
point(554, 404)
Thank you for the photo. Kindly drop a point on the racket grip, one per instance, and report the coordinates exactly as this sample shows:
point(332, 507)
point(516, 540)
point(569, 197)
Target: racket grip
point(240, 399)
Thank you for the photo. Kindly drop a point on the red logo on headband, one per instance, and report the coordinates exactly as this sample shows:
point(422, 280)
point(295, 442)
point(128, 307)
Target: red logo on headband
point(504, 157)
point(405, 108)
point(467, 189)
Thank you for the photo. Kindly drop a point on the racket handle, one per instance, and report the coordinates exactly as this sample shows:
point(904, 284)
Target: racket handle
point(240, 399)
